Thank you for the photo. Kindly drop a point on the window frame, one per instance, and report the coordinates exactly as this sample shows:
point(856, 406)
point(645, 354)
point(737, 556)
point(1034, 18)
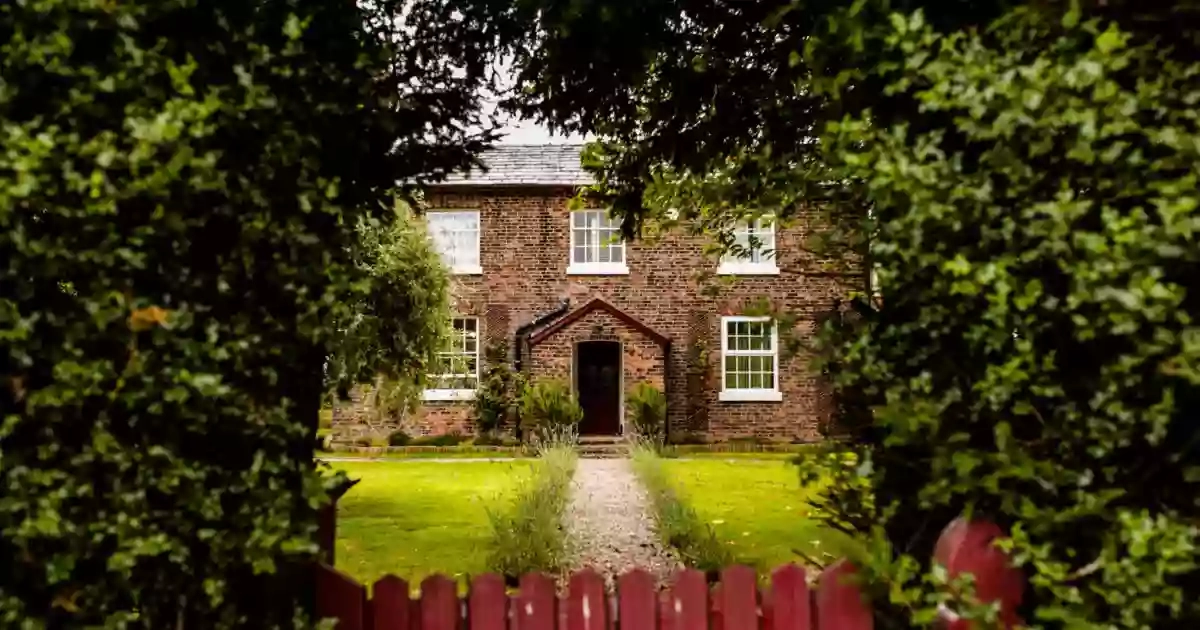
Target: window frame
point(457, 269)
point(772, 394)
point(767, 266)
point(594, 268)
point(460, 393)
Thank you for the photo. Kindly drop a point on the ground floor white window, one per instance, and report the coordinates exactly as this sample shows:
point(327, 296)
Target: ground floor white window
point(456, 376)
point(749, 359)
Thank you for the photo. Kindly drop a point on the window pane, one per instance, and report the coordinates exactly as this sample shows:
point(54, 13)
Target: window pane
point(743, 381)
point(618, 253)
point(730, 380)
point(455, 236)
point(756, 380)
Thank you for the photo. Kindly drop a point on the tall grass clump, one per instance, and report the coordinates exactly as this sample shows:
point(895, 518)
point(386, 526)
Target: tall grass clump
point(529, 535)
point(678, 524)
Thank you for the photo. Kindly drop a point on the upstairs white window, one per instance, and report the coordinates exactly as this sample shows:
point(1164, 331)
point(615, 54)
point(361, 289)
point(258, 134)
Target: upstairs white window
point(455, 234)
point(596, 245)
point(753, 251)
point(456, 377)
point(749, 360)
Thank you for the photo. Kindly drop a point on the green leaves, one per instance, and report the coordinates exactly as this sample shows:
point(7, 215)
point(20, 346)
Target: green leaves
point(1031, 300)
point(181, 187)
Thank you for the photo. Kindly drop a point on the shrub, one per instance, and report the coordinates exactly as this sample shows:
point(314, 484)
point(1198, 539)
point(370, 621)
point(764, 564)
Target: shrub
point(549, 411)
point(180, 184)
point(399, 438)
point(493, 440)
point(648, 410)
point(677, 522)
point(498, 398)
point(529, 535)
point(453, 438)
point(1034, 359)
point(685, 438)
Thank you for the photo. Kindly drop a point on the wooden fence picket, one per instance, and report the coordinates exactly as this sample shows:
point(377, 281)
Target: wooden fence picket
point(739, 598)
point(736, 602)
point(587, 602)
point(689, 608)
point(341, 598)
point(636, 600)
point(840, 603)
point(790, 601)
point(488, 603)
point(967, 546)
point(390, 605)
point(440, 608)
point(536, 604)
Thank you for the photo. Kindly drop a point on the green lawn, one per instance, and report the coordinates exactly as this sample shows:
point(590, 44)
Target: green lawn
point(756, 507)
point(415, 518)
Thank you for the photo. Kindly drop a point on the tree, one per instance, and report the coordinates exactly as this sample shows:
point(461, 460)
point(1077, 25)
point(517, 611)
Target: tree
point(180, 188)
point(1040, 274)
point(397, 321)
point(1024, 175)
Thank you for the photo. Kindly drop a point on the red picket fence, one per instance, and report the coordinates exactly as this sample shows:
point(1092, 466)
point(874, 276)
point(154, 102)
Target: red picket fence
point(737, 602)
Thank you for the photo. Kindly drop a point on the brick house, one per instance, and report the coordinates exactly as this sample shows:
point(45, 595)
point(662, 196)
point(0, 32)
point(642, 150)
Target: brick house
point(571, 301)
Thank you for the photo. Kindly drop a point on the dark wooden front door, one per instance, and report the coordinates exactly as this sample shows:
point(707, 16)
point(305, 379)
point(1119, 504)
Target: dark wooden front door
point(598, 381)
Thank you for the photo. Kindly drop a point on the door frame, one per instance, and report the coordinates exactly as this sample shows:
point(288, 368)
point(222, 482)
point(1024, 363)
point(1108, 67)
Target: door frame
point(620, 376)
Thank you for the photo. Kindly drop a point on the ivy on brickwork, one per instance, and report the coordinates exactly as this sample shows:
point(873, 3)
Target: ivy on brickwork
point(498, 399)
point(181, 189)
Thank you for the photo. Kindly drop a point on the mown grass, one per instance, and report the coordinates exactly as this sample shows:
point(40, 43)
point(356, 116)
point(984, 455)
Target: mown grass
point(757, 510)
point(415, 519)
point(528, 534)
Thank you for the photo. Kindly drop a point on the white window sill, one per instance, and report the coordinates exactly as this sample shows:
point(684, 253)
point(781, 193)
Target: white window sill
point(747, 269)
point(751, 395)
point(598, 269)
point(467, 270)
point(448, 394)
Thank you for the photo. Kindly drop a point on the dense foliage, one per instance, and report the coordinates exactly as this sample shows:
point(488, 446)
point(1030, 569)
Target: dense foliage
point(549, 411)
point(180, 187)
point(396, 325)
point(648, 412)
point(498, 398)
point(1024, 176)
point(1035, 360)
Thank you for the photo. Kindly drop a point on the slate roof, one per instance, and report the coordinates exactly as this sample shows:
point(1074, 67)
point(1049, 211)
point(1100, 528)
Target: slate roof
point(527, 164)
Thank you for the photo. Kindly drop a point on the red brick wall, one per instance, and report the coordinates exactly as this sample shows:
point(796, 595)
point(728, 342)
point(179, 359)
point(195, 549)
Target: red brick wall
point(524, 254)
point(641, 357)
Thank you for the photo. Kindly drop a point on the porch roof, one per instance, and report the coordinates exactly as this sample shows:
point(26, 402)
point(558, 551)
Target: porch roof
point(600, 304)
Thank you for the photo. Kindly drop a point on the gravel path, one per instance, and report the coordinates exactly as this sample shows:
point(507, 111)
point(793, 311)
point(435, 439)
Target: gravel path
point(610, 523)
